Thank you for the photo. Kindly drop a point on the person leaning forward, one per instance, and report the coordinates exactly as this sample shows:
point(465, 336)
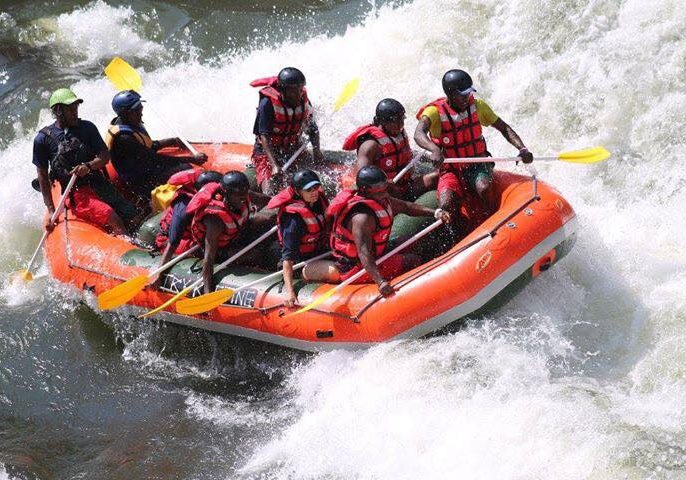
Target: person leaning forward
point(384, 144)
point(284, 113)
point(74, 146)
point(450, 127)
point(134, 153)
point(221, 211)
point(362, 222)
point(302, 224)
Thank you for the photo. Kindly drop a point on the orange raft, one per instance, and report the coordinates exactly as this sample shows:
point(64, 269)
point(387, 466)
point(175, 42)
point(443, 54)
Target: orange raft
point(533, 228)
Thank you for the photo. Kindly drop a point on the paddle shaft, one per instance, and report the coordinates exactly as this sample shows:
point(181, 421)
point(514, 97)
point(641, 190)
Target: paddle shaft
point(53, 219)
point(495, 159)
point(407, 167)
point(173, 261)
point(233, 258)
point(297, 266)
point(190, 147)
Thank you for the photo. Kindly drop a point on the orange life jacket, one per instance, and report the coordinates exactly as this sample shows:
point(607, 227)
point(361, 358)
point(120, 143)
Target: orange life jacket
point(342, 240)
point(289, 123)
point(287, 201)
point(209, 201)
point(395, 151)
point(461, 134)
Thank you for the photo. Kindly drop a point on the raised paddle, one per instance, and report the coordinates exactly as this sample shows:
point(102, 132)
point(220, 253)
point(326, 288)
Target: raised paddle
point(349, 90)
point(217, 268)
point(210, 301)
point(26, 274)
point(125, 77)
point(122, 293)
point(321, 299)
point(588, 155)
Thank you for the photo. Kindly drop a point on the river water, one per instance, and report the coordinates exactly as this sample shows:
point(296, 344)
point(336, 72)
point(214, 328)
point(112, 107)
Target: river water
point(581, 376)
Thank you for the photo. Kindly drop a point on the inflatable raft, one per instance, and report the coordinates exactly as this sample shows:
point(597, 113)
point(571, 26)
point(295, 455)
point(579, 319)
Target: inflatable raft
point(533, 228)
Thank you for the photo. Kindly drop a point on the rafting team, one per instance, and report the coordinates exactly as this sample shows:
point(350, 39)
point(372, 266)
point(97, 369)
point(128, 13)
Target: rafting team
point(217, 210)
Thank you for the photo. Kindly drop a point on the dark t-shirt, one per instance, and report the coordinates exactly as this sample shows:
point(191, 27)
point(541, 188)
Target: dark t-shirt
point(264, 122)
point(44, 149)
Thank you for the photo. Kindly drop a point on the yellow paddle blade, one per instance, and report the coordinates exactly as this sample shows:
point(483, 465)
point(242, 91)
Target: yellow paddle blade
point(167, 303)
point(588, 155)
point(23, 275)
point(321, 299)
point(122, 293)
point(123, 75)
point(204, 303)
point(347, 93)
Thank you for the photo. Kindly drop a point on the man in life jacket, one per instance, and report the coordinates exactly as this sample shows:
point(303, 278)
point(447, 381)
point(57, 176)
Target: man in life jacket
point(384, 143)
point(362, 222)
point(302, 224)
point(134, 153)
point(221, 212)
point(74, 146)
point(451, 127)
point(175, 234)
point(284, 113)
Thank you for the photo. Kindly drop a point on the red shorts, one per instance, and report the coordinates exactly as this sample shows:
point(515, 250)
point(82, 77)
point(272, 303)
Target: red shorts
point(450, 181)
point(263, 168)
point(88, 206)
point(390, 268)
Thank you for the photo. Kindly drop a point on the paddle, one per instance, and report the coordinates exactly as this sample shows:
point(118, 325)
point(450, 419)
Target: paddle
point(125, 77)
point(209, 301)
point(217, 268)
point(26, 274)
point(588, 155)
point(321, 299)
point(349, 90)
point(122, 293)
point(407, 167)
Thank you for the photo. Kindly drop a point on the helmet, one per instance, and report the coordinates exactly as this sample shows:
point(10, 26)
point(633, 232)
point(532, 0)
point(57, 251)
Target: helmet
point(291, 77)
point(389, 109)
point(126, 101)
point(235, 181)
point(369, 176)
point(63, 96)
point(457, 81)
point(207, 177)
point(305, 179)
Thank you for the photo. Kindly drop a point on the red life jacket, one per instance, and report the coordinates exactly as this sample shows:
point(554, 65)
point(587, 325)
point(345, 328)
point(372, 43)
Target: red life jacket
point(342, 240)
point(395, 151)
point(209, 201)
point(289, 122)
point(461, 134)
point(287, 201)
point(186, 180)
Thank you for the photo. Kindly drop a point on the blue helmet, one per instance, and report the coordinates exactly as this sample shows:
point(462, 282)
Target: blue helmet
point(126, 101)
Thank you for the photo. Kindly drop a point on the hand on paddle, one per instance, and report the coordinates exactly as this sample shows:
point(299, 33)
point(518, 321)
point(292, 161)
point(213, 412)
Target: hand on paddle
point(48, 224)
point(526, 155)
point(386, 289)
point(199, 158)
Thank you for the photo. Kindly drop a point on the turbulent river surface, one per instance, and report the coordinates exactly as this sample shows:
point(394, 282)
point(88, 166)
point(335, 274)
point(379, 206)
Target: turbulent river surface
point(581, 376)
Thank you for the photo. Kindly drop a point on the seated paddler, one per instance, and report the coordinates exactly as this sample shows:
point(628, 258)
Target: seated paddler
point(302, 232)
point(221, 212)
point(362, 221)
point(135, 155)
point(284, 114)
point(174, 237)
point(385, 144)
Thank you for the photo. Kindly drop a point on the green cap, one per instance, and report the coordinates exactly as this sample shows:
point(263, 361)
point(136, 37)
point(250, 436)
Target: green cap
point(63, 96)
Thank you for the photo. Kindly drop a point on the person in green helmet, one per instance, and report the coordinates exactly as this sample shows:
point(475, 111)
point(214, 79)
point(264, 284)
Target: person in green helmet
point(74, 146)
